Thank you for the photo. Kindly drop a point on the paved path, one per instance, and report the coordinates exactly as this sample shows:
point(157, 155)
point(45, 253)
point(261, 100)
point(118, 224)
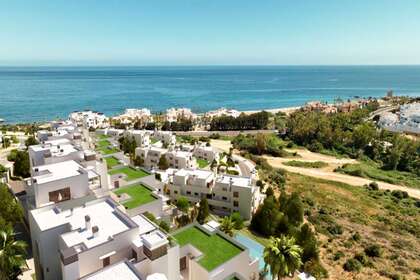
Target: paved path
point(327, 173)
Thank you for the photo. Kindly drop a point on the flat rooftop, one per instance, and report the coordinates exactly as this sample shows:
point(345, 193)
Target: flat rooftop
point(236, 180)
point(198, 173)
point(56, 150)
point(57, 171)
point(215, 248)
point(145, 226)
point(118, 271)
point(102, 213)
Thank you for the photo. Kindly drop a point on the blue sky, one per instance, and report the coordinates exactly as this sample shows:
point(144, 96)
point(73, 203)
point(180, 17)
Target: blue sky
point(200, 32)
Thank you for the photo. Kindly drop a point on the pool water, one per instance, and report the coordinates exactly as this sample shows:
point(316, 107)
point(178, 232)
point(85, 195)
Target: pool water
point(256, 250)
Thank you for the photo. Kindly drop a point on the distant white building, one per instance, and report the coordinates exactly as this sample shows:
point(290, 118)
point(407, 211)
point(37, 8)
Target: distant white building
point(174, 114)
point(166, 137)
point(130, 115)
point(223, 112)
point(60, 130)
point(205, 152)
point(225, 193)
point(142, 137)
point(176, 158)
point(406, 120)
point(113, 132)
point(89, 119)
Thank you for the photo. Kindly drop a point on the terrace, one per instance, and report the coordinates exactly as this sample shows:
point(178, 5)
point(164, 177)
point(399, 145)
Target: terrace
point(202, 163)
point(111, 162)
point(130, 172)
point(136, 196)
point(216, 249)
point(105, 147)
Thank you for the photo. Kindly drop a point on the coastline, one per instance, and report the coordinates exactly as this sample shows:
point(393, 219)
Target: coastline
point(286, 110)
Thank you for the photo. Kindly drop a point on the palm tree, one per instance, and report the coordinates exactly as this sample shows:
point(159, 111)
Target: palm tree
point(12, 254)
point(283, 256)
point(227, 226)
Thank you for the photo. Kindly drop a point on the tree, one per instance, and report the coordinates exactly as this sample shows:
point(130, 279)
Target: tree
point(213, 164)
point(31, 141)
point(163, 163)
point(227, 225)
point(21, 165)
point(203, 211)
point(238, 221)
point(2, 170)
point(6, 142)
point(294, 210)
point(183, 204)
point(10, 210)
point(283, 256)
point(11, 254)
point(138, 161)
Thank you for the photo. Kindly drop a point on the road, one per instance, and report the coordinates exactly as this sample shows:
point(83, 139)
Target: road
point(327, 173)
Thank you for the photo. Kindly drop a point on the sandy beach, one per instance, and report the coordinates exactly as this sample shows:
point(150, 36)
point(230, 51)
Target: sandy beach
point(287, 110)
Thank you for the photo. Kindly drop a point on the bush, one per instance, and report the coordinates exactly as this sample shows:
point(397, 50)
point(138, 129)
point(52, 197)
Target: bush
point(362, 258)
point(238, 221)
point(164, 225)
point(352, 265)
point(373, 251)
point(150, 216)
point(399, 194)
point(335, 229)
point(373, 186)
point(356, 237)
point(338, 255)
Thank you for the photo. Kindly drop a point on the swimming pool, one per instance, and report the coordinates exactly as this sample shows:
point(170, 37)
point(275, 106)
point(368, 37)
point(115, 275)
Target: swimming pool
point(256, 250)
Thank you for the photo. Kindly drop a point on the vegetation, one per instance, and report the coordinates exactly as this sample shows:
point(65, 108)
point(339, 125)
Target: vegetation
point(243, 122)
point(203, 211)
point(306, 164)
point(139, 195)
point(127, 144)
point(21, 163)
point(283, 256)
point(202, 163)
point(216, 249)
point(31, 141)
point(259, 144)
point(238, 221)
point(372, 171)
point(180, 125)
point(104, 146)
point(10, 210)
point(111, 162)
point(183, 204)
point(163, 163)
point(131, 173)
point(12, 254)
point(227, 225)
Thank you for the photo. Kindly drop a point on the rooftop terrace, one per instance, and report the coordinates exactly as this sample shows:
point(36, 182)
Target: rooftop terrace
point(216, 249)
point(138, 195)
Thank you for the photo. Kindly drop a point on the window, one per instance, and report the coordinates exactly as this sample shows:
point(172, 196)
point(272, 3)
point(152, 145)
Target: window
point(188, 192)
point(106, 261)
point(235, 194)
point(175, 192)
point(224, 197)
point(196, 193)
point(236, 203)
point(60, 195)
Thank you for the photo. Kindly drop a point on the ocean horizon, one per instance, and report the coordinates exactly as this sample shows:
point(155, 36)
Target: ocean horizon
point(42, 93)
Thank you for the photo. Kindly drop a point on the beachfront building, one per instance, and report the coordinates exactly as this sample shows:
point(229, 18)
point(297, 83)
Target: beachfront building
point(166, 137)
point(205, 152)
point(73, 241)
point(225, 193)
point(133, 115)
point(222, 112)
point(175, 114)
point(89, 119)
point(112, 132)
point(407, 119)
point(176, 158)
point(142, 137)
point(60, 130)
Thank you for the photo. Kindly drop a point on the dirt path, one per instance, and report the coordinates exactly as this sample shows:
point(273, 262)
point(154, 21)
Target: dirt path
point(327, 173)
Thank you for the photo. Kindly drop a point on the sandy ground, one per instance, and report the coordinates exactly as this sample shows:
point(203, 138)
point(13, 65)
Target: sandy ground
point(223, 145)
point(286, 110)
point(327, 173)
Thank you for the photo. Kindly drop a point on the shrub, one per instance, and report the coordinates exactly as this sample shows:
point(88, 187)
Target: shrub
point(352, 265)
point(164, 225)
point(373, 251)
point(362, 258)
point(338, 255)
point(356, 237)
point(373, 186)
point(335, 229)
point(150, 216)
point(238, 221)
point(399, 194)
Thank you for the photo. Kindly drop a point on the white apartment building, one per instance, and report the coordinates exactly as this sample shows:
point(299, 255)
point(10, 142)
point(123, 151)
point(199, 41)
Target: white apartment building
point(60, 130)
point(54, 151)
point(131, 115)
point(176, 158)
point(174, 114)
point(113, 132)
point(72, 242)
point(89, 119)
point(222, 112)
point(208, 153)
point(225, 193)
point(142, 137)
point(166, 137)
point(57, 182)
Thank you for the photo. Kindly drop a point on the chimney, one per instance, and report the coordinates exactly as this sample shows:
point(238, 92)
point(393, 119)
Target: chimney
point(87, 222)
point(95, 231)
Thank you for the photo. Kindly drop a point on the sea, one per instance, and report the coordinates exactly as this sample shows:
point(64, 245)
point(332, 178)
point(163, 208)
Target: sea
point(30, 94)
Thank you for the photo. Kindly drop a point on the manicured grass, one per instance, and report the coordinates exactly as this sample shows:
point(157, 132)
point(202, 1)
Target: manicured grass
point(139, 195)
point(202, 163)
point(153, 140)
point(131, 173)
point(103, 136)
point(306, 164)
point(111, 162)
point(216, 249)
point(104, 147)
point(370, 170)
point(103, 143)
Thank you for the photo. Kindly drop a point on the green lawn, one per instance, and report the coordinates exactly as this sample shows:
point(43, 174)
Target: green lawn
point(202, 163)
point(103, 136)
point(216, 249)
point(153, 140)
point(104, 147)
point(371, 171)
point(111, 162)
point(131, 173)
point(139, 195)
